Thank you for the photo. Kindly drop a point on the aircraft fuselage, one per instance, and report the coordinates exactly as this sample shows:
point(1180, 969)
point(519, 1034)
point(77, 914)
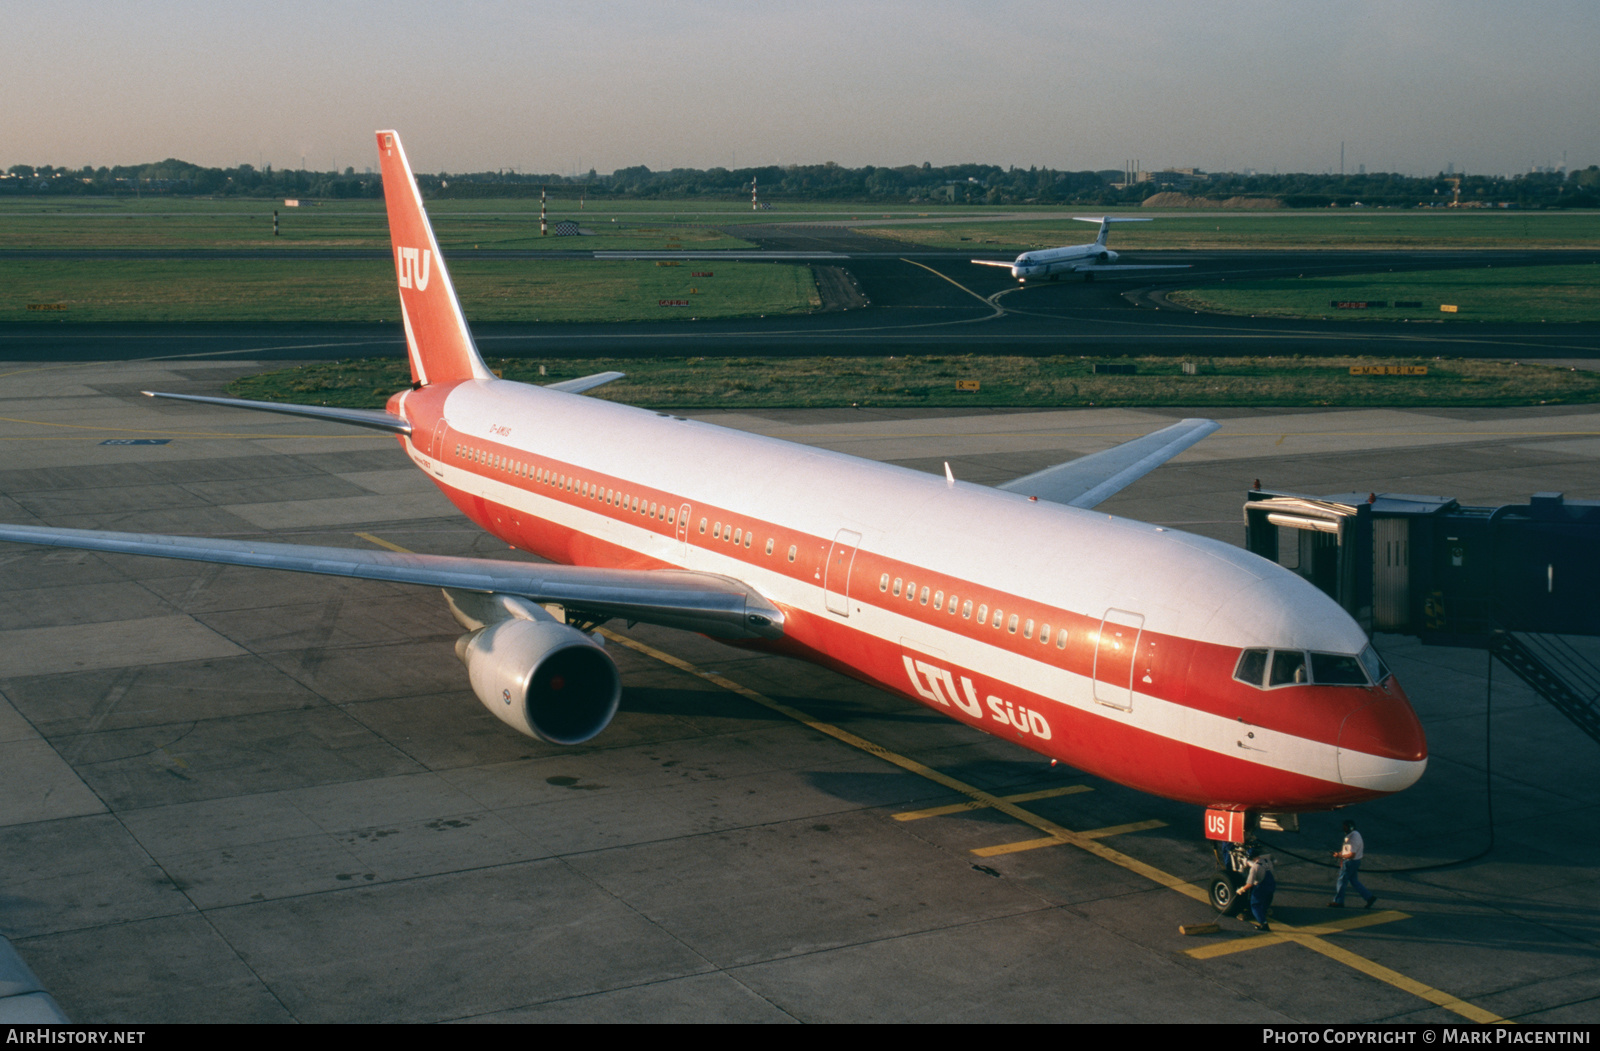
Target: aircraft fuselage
point(1108, 644)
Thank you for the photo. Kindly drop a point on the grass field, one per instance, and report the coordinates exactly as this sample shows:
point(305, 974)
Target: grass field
point(701, 383)
point(197, 223)
point(236, 225)
point(1324, 229)
point(491, 290)
point(190, 223)
point(1508, 294)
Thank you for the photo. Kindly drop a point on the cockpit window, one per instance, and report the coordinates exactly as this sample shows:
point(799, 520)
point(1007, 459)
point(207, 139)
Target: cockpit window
point(1252, 667)
point(1288, 668)
point(1377, 671)
point(1266, 669)
point(1331, 669)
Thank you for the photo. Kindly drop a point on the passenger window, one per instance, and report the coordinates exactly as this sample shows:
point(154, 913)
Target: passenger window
point(716, 530)
point(702, 525)
point(1044, 633)
point(1252, 667)
point(924, 598)
point(1061, 639)
point(896, 587)
point(791, 552)
point(1011, 628)
point(747, 538)
point(966, 610)
point(885, 576)
point(983, 614)
point(997, 618)
point(938, 600)
point(1288, 668)
point(738, 535)
point(1027, 629)
point(883, 582)
point(911, 592)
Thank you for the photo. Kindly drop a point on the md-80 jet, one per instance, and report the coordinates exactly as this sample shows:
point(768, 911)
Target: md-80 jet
point(1089, 259)
point(1174, 664)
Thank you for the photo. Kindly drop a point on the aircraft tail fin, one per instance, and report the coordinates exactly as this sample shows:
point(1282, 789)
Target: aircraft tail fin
point(438, 341)
point(1105, 222)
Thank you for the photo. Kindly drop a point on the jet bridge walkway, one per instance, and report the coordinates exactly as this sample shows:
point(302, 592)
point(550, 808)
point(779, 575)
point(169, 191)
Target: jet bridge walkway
point(1517, 580)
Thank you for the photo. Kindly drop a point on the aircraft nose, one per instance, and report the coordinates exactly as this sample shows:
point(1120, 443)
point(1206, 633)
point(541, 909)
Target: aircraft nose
point(1381, 744)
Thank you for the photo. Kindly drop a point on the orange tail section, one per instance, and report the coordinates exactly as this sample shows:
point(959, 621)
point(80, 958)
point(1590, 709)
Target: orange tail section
point(437, 339)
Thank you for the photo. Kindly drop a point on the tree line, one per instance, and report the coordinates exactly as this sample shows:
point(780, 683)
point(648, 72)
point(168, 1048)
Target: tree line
point(910, 184)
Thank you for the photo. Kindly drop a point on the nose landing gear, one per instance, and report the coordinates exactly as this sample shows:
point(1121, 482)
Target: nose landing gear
point(1228, 878)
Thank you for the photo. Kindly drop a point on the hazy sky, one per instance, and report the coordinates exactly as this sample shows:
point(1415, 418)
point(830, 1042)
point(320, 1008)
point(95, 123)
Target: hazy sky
point(1488, 85)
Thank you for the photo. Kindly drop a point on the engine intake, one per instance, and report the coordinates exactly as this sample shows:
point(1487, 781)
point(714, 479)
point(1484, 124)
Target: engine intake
point(543, 678)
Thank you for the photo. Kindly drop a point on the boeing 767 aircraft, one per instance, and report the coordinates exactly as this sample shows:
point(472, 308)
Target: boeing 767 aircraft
point(1168, 662)
point(1088, 260)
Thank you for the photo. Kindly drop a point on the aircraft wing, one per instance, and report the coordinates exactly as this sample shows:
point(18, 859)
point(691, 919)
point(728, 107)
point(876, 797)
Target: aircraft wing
point(1086, 481)
point(1122, 266)
point(992, 262)
point(375, 419)
point(704, 602)
point(583, 383)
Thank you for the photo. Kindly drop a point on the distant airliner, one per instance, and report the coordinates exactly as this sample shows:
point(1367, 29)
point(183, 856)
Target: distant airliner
point(1088, 260)
point(1168, 662)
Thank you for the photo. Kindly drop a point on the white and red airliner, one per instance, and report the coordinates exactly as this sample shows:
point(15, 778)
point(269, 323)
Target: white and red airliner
point(1168, 662)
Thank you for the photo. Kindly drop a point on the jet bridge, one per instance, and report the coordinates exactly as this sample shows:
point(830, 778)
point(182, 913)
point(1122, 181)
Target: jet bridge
point(1519, 580)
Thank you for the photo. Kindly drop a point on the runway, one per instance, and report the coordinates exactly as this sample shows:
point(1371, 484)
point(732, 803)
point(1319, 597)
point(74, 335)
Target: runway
point(242, 796)
point(920, 301)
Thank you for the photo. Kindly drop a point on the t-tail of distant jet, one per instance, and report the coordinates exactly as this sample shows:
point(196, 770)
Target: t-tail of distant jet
point(437, 339)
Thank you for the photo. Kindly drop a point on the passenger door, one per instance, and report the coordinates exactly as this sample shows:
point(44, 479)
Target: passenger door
point(836, 578)
point(1114, 650)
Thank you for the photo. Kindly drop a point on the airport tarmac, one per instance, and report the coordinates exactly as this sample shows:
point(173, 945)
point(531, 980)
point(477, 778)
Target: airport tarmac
point(233, 795)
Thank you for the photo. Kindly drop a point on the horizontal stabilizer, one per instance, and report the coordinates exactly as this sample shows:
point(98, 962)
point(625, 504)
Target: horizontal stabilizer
point(583, 383)
point(705, 602)
point(376, 419)
point(992, 262)
point(1108, 219)
point(1086, 481)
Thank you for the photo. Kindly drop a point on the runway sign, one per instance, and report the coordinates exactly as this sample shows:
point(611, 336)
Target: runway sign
point(967, 385)
point(1388, 370)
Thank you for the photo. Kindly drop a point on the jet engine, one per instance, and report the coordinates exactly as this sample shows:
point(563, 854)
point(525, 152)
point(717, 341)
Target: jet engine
point(543, 678)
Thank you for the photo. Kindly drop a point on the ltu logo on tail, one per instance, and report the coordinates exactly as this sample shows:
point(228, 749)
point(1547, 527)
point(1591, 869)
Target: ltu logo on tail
point(405, 262)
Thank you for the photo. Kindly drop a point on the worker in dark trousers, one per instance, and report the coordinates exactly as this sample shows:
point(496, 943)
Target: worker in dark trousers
point(1350, 855)
point(1260, 883)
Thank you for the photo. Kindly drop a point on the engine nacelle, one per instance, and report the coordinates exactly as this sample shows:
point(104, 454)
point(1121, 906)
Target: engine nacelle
point(543, 678)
